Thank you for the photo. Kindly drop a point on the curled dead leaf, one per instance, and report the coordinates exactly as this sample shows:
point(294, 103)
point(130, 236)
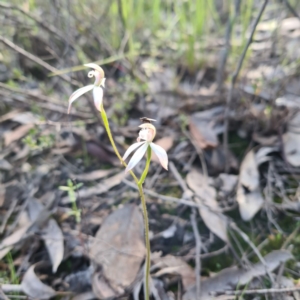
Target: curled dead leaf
point(34, 287)
point(54, 241)
point(173, 265)
point(209, 210)
point(248, 195)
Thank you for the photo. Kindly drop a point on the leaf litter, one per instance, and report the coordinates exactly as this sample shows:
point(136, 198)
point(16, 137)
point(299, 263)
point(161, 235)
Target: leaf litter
point(205, 195)
point(118, 248)
point(41, 150)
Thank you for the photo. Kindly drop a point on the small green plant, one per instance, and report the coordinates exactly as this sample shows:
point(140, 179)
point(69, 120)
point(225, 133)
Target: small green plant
point(13, 278)
point(71, 190)
point(35, 141)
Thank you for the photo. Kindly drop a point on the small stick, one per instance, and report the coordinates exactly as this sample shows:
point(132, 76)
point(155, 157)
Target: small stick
point(262, 291)
point(37, 60)
point(225, 51)
point(291, 9)
point(232, 83)
point(8, 214)
point(198, 251)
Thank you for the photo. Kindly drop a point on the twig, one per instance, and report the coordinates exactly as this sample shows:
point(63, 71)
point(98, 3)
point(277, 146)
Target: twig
point(254, 248)
point(198, 251)
point(9, 96)
point(177, 176)
point(225, 51)
point(262, 291)
point(37, 60)
point(162, 197)
point(232, 83)
point(11, 288)
point(291, 9)
point(8, 214)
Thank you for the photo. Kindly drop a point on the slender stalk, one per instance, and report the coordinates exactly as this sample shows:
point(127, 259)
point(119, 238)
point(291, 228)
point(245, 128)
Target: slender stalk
point(146, 221)
point(144, 175)
point(139, 184)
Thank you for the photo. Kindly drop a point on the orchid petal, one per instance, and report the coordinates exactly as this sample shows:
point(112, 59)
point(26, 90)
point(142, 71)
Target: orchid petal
point(79, 93)
point(132, 148)
point(98, 97)
point(103, 82)
point(137, 156)
point(161, 154)
point(94, 66)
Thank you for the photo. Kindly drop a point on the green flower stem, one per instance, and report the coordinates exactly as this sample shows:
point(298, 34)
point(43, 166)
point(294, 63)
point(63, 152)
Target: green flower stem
point(144, 175)
point(146, 221)
point(139, 184)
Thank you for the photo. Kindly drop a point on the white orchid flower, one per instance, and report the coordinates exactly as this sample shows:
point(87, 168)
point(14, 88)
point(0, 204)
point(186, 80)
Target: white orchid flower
point(98, 73)
point(146, 136)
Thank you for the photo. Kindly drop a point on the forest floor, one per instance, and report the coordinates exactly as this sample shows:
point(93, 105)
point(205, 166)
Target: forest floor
point(224, 219)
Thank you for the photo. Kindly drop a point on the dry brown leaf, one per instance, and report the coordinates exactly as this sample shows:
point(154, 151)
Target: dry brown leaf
point(54, 241)
point(5, 165)
point(166, 143)
point(119, 248)
point(34, 288)
point(229, 278)
point(228, 183)
point(51, 232)
point(173, 265)
point(209, 210)
point(291, 142)
point(9, 115)
point(101, 288)
point(16, 134)
point(203, 133)
point(15, 237)
point(248, 194)
point(25, 118)
point(94, 175)
point(85, 296)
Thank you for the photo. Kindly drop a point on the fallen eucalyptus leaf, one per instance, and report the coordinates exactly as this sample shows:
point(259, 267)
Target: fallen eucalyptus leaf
point(230, 278)
point(54, 241)
point(248, 194)
point(209, 210)
point(34, 288)
point(119, 248)
point(173, 265)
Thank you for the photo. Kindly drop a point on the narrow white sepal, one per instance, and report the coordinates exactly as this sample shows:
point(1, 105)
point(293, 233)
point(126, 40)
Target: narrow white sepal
point(94, 66)
point(98, 97)
point(79, 93)
point(137, 156)
point(161, 154)
point(132, 148)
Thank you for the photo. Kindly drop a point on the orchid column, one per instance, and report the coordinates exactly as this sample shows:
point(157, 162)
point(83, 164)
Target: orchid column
point(144, 144)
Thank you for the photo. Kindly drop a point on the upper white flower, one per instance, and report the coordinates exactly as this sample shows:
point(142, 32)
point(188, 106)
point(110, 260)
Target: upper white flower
point(98, 73)
point(146, 136)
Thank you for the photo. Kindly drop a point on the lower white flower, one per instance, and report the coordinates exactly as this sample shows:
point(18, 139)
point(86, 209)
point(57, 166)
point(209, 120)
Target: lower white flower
point(146, 136)
point(98, 73)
